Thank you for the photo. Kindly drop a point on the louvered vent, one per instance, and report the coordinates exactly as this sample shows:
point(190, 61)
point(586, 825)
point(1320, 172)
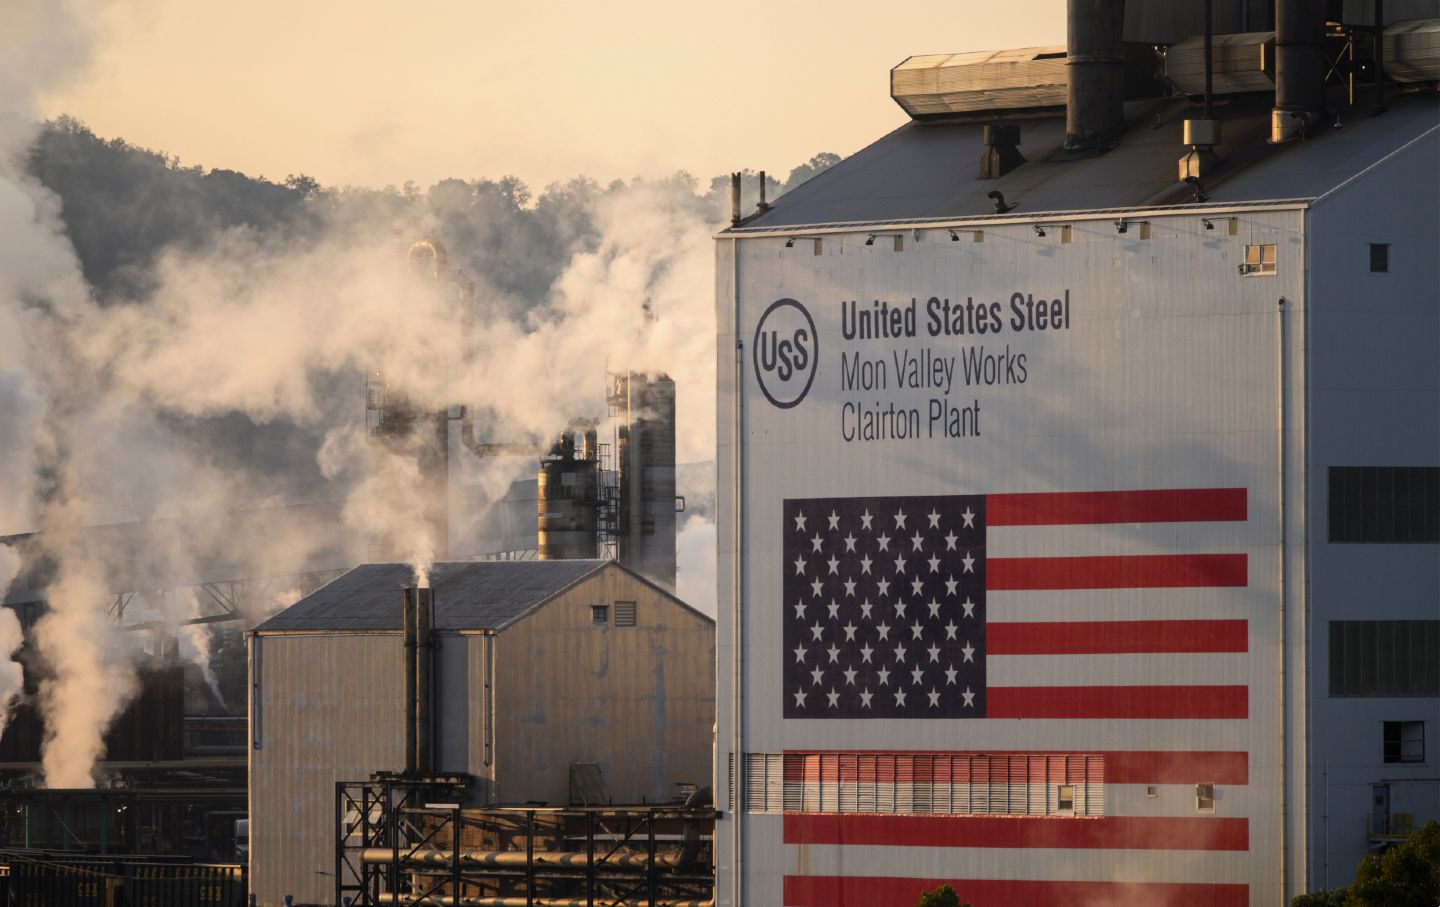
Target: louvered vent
point(1412, 51)
point(1244, 62)
point(989, 80)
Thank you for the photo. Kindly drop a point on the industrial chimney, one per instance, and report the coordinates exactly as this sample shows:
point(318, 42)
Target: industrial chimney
point(1299, 68)
point(1095, 60)
point(419, 681)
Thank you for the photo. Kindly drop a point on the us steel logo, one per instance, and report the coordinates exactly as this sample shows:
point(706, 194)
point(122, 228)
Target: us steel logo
point(786, 353)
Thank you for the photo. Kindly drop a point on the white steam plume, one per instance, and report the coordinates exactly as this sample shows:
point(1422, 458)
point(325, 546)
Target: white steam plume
point(12, 677)
point(90, 395)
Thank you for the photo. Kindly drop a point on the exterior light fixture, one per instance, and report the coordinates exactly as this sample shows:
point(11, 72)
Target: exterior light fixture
point(1039, 230)
point(1209, 224)
point(898, 237)
point(790, 242)
point(1122, 227)
point(955, 234)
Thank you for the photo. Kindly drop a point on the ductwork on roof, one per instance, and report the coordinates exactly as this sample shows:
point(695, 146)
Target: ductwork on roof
point(1241, 63)
point(937, 85)
point(1412, 51)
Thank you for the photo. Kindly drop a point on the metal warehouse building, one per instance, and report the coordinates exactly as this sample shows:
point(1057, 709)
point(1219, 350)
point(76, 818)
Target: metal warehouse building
point(546, 675)
point(1083, 547)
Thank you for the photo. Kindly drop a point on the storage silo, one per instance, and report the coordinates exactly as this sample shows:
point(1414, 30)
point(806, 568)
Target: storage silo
point(568, 498)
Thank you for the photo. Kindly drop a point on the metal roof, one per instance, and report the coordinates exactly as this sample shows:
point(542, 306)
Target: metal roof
point(932, 171)
point(485, 595)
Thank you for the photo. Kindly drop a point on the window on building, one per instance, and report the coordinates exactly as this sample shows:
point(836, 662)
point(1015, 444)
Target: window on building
point(1377, 658)
point(624, 614)
point(1151, 792)
point(1404, 741)
point(600, 615)
point(1065, 798)
point(1259, 259)
point(1385, 504)
point(1379, 257)
point(1205, 798)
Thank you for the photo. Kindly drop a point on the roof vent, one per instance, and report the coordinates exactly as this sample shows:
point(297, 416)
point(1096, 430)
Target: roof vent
point(1412, 51)
point(936, 85)
point(1001, 154)
point(1241, 63)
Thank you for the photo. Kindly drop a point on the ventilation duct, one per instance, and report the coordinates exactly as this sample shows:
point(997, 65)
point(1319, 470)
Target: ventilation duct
point(936, 85)
point(1001, 153)
point(1242, 63)
point(1412, 51)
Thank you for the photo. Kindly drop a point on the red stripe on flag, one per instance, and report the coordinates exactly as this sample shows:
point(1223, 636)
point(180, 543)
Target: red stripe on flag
point(1121, 766)
point(1108, 833)
point(1135, 571)
point(889, 891)
point(1175, 505)
point(1176, 767)
point(1118, 702)
point(1115, 636)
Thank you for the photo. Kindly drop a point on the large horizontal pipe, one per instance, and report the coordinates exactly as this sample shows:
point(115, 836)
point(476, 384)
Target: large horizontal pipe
point(445, 900)
point(545, 858)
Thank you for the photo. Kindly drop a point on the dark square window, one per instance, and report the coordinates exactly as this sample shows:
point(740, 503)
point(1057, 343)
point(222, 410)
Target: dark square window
point(600, 615)
point(1404, 741)
point(1380, 257)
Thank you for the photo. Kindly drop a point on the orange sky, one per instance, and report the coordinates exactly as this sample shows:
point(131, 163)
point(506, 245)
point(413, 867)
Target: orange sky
point(375, 93)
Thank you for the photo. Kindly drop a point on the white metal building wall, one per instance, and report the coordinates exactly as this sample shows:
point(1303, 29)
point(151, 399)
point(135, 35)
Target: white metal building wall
point(1170, 376)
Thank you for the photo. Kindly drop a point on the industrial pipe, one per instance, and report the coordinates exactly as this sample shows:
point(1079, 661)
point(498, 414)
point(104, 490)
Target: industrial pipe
point(424, 681)
point(543, 859)
point(1095, 100)
point(411, 653)
point(1299, 68)
point(445, 900)
point(1377, 104)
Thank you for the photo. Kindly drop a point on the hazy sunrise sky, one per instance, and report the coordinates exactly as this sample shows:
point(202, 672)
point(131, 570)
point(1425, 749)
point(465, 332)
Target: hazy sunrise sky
point(375, 93)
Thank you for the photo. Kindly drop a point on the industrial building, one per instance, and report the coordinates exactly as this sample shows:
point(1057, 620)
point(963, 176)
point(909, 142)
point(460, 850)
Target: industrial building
point(551, 682)
point(1085, 439)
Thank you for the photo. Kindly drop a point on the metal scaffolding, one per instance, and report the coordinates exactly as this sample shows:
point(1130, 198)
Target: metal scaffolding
point(409, 841)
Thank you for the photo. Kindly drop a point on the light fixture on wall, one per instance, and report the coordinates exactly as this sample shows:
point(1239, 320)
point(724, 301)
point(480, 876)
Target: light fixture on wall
point(956, 231)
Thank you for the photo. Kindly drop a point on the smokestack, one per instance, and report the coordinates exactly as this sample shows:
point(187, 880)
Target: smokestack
point(419, 665)
point(1095, 105)
point(1299, 68)
point(412, 637)
point(735, 216)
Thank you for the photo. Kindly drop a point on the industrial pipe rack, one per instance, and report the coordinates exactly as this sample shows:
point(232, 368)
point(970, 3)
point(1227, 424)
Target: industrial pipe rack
point(409, 841)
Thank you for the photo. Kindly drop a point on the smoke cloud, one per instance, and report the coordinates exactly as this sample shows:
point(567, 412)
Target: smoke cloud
point(229, 377)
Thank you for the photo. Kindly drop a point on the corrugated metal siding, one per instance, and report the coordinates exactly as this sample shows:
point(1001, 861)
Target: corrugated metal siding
point(331, 708)
point(1375, 401)
point(1171, 378)
point(638, 700)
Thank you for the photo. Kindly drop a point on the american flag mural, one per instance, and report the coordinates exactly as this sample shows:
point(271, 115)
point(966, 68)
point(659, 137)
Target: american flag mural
point(948, 608)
